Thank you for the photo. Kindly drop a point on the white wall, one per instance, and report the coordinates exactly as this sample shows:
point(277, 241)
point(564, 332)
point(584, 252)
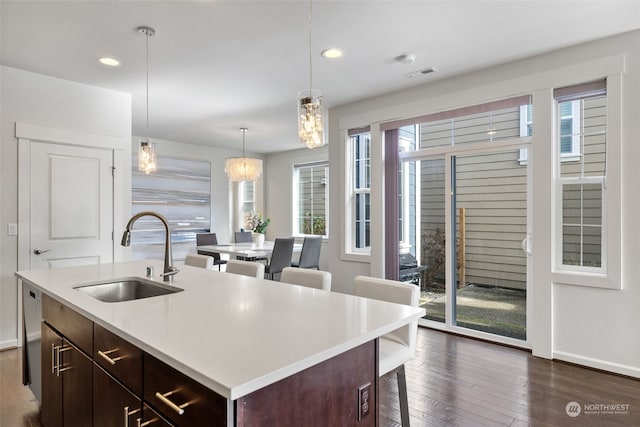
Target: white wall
point(35, 99)
point(590, 326)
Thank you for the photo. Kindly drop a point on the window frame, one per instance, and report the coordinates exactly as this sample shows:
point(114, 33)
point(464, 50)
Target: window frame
point(296, 199)
point(357, 193)
point(608, 275)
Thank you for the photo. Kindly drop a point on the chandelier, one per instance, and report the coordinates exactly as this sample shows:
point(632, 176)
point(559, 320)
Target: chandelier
point(147, 149)
point(310, 114)
point(243, 168)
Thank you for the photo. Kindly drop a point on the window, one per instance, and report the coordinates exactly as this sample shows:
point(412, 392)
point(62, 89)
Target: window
point(361, 191)
point(582, 128)
point(569, 119)
point(311, 199)
point(248, 195)
point(407, 190)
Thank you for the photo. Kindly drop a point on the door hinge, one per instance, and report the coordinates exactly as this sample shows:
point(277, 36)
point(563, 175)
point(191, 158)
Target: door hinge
point(113, 171)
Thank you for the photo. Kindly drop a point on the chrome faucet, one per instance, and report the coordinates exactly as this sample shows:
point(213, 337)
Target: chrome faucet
point(169, 269)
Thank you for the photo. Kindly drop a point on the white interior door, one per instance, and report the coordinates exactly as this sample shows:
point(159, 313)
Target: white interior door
point(71, 205)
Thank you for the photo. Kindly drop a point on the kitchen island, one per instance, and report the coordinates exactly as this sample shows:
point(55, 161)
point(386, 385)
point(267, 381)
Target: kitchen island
point(277, 353)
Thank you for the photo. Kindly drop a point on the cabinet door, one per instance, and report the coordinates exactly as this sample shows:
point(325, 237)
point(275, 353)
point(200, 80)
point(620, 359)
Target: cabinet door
point(113, 404)
point(77, 386)
point(51, 408)
point(152, 419)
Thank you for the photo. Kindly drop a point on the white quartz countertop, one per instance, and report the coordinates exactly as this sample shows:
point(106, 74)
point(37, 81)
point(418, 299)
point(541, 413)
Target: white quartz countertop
point(234, 334)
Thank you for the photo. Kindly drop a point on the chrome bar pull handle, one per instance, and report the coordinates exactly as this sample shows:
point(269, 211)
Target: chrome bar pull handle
point(163, 398)
point(110, 360)
point(59, 363)
point(127, 414)
point(144, 424)
point(54, 358)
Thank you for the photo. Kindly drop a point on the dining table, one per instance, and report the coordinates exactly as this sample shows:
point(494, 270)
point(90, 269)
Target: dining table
point(247, 250)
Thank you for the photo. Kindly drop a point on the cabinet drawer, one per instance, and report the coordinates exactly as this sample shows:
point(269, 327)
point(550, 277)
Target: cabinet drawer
point(74, 326)
point(200, 405)
point(120, 358)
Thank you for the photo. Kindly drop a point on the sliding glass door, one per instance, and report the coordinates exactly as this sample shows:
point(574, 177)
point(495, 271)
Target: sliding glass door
point(489, 222)
point(470, 215)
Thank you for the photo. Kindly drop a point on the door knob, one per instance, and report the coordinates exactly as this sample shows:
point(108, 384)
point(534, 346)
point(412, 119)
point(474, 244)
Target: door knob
point(39, 252)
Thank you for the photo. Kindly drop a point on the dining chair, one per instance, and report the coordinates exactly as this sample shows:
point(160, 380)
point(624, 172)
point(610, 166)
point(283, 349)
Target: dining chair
point(310, 253)
point(197, 260)
point(203, 239)
point(246, 268)
point(398, 346)
point(280, 256)
point(309, 278)
point(243, 237)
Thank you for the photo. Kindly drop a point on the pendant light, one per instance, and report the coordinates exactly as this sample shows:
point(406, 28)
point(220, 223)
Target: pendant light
point(147, 149)
point(243, 168)
point(310, 114)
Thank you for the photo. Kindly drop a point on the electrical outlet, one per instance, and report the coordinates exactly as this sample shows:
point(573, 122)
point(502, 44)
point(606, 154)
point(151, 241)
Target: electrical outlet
point(364, 400)
point(12, 229)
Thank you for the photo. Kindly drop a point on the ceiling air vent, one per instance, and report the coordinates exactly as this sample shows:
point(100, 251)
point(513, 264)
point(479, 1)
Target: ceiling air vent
point(422, 72)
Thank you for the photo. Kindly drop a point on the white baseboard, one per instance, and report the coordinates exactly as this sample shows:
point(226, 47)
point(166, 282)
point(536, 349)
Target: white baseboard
point(7, 344)
point(631, 371)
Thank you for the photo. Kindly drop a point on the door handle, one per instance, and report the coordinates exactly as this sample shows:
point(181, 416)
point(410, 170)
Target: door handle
point(39, 252)
point(526, 246)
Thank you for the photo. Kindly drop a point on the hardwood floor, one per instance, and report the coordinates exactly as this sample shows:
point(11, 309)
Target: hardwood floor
point(452, 381)
point(457, 381)
point(18, 407)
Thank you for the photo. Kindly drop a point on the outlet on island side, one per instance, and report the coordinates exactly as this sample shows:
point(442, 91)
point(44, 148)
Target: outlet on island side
point(364, 397)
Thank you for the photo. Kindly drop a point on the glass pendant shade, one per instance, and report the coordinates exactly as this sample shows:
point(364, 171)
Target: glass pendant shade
point(310, 118)
point(243, 168)
point(147, 157)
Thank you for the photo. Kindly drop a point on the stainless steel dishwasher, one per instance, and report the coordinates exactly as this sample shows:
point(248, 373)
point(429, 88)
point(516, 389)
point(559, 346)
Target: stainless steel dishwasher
point(31, 355)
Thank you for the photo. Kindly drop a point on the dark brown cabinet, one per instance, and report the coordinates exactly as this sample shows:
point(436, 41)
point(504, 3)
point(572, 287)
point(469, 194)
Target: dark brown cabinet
point(180, 399)
point(51, 407)
point(120, 358)
point(66, 382)
point(113, 404)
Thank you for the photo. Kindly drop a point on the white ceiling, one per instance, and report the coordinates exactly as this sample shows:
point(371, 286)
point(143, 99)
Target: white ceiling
point(216, 66)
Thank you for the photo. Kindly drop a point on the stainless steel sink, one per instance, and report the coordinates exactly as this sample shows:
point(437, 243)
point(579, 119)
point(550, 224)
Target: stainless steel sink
point(127, 289)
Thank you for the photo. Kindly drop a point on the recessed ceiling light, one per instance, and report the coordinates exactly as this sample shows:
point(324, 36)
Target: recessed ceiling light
point(109, 61)
point(407, 58)
point(332, 53)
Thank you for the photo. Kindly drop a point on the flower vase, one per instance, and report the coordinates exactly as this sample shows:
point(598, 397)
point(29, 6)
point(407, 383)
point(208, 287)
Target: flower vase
point(258, 239)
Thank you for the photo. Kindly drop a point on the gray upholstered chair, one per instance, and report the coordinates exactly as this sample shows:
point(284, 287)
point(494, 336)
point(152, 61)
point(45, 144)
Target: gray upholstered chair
point(246, 268)
point(310, 253)
point(203, 239)
point(396, 347)
point(309, 278)
point(280, 256)
point(242, 237)
point(197, 260)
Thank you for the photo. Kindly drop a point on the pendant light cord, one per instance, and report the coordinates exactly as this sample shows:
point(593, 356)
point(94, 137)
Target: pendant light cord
point(310, 55)
point(244, 132)
point(147, 36)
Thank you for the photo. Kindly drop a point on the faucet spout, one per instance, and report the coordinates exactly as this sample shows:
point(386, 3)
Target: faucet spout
point(169, 269)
